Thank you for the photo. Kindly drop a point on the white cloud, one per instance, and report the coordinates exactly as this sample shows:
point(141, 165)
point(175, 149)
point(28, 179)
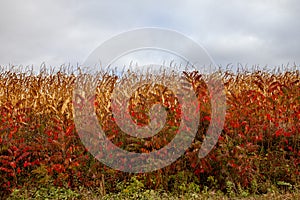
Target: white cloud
point(58, 32)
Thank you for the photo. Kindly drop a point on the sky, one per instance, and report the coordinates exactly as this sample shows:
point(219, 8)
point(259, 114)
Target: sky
point(57, 32)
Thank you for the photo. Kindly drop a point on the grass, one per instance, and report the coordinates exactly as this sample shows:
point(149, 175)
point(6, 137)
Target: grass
point(86, 194)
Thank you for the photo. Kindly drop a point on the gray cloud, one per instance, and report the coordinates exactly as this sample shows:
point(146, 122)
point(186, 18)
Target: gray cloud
point(58, 32)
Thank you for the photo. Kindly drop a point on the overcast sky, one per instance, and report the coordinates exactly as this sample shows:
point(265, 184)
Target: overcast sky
point(61, 32)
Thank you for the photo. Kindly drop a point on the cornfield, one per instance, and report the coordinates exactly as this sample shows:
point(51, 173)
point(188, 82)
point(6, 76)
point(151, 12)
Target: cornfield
point(260, 141)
